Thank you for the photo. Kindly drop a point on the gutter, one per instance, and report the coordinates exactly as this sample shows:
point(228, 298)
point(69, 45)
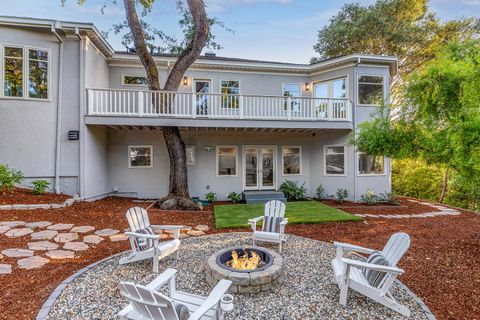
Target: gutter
point(354, 115)
point(81, 73)
point(59, 107)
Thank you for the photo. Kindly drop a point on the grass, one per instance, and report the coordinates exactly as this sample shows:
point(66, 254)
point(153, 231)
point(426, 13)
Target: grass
point(237, 215)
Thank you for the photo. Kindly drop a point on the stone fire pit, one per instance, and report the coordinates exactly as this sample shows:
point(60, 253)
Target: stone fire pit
point(263, 278)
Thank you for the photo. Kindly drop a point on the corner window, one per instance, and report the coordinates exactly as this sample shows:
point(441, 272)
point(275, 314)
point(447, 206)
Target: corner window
point(13, 72)
point(135, 81)
point(334, 160)
point(370, 165)
point(292, 160)
point(227, 161)
point(370, 90)
point(37, 74)
point(190, 151)
point(140, 156)
point(293, 90)
point(230, 90)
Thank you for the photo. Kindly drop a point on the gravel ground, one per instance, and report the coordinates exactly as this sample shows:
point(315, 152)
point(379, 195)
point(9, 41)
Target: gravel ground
point(306, 290)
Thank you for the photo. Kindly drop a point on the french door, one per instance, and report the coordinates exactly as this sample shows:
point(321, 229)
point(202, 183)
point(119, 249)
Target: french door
point(202, 89)
point(259, 168)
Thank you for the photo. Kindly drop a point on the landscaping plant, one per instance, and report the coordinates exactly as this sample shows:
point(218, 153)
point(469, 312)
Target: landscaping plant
point(9, 178)
point(341, 195)
point(293, 191)
point(321, 193)
point(370, 198)
point(40, 187)
point(211, 196)
point(234, 197)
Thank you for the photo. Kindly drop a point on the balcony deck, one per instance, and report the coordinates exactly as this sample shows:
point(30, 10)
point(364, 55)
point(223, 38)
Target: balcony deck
point(160, 108)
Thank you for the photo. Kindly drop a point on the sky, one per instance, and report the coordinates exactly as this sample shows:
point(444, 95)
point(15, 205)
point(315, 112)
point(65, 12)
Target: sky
point(278, 30)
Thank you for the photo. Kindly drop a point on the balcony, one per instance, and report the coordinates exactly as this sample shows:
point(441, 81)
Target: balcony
point(179, 108)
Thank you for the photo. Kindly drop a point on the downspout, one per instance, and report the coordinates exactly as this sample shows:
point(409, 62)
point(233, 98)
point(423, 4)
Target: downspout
point(81, 74)
point(354, 119)
point(59, 108)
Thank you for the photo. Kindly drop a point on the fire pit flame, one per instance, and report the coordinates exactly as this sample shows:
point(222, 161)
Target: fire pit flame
point(244, 262)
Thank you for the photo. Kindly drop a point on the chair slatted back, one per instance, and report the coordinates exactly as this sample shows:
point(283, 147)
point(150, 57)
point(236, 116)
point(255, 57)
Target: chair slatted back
point(137, 218)
point(396, 247)
point(275, 209)
point(150, 304)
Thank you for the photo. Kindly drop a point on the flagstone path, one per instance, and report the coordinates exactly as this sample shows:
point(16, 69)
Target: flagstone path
point(444, 211)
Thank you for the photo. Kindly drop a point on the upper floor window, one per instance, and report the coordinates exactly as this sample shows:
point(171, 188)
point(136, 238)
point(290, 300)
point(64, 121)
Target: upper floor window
point(370, 164)
point(140, 156)
point(13, 72)
point(135, 81)
point(335, 89)
point(370, 90)
point(292, 90)
point(230, 89)
point(37, 74)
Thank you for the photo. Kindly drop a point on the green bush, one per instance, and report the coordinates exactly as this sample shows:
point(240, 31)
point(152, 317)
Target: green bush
point(370, 198)
point(293, 191)
point(234, 197)
point(388, 197)
point(40, 187)
point(321, 193)
point(211, 196)
point(9, 177)
point(341, 195)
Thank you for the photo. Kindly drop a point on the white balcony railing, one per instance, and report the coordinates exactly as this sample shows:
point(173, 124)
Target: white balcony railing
point(115, 102)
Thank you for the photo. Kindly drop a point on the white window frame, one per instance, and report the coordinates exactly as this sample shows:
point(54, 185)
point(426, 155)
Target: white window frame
point(25, 70)
point(194, 155)
point(133, 85)
point(221, 93)
point(301, 160)
point(217, 150)
point(344, 174)
point(369, 174)
point(329, 82)
point(384, 84)
point(140, 146)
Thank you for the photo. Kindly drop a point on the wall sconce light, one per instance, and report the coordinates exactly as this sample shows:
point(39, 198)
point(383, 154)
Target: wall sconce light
point(307, 86)
point(185, 81)
point(208, 148)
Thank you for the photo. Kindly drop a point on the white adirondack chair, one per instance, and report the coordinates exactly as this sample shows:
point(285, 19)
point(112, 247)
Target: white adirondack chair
point(145, 242)
point(145, 302)
point(348, 273)
point(273, 224)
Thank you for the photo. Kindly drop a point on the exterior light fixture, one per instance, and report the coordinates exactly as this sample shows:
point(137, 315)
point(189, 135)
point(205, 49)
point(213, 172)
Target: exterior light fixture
point(208, 148)
point(307, 86)
point(185, 81)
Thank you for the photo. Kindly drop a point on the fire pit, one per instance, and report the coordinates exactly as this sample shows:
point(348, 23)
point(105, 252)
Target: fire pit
point(251, 269)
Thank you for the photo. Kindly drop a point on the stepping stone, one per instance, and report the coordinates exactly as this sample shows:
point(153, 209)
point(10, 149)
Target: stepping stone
point(61, 226)
point(12, 224)
point(5, 268)
point(60, 254)
point(15, 233)
point(40, 224)
point(82, 229)
point(94, 239)
point(164, 236)
point(65, 237)
point(183, 235)
point(202, 227)
point(42, 245)
point(44, 235)
point(186, 228)
point(75, 246)
point(4, 229)
point(119, 237)
point(195, 233)
point(106, 232)
point(16, 253)
point(34, 262)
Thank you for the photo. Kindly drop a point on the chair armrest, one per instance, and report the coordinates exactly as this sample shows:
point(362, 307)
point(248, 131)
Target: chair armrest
point(213, 299)
point(253, 222)
point(143, 235)
point(165, 227)
point(284, 221)
point(162, 279)
point(372, 266)
point(352, 247)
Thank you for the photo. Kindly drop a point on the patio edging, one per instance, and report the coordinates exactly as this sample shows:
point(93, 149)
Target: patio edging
point(45, 206)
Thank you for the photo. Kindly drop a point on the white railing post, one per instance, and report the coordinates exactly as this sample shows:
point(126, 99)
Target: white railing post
point(349, 110)
point(330, 109)
point(289, 108)
point(89, 108)
point(240, 107)
point(140, 103)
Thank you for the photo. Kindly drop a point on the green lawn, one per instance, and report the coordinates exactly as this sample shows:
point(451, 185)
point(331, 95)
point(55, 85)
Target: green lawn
point(237, 215)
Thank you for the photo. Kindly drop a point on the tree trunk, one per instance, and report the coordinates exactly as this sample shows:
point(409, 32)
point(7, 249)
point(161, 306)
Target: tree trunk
point(444, 186)
point(178, 196)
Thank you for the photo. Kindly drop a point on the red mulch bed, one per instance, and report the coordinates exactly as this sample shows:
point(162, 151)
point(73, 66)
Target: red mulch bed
point(25, 196)
point(336, 204)
point(442, 266)
point(405, 207)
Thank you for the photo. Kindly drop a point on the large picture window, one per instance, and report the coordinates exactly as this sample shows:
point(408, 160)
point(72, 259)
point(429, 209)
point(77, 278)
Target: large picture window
point(37, 74)
point(13, 72)
point(336, 89)
point(230, 90)
point(292, 160)
point(334, 160)
point(227, 161)
point(370, 164)
point(140, 156)
point(370, 90)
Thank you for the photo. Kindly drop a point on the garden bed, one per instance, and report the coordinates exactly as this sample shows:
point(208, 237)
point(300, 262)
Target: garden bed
point(25, 196)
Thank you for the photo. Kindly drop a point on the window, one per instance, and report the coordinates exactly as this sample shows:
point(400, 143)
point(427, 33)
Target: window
point(230, 89)
point(13, 72)
point(334, 160)
point(227, 161)
point(335, 89)
point(368, 164)
point(293, 90)
point(140, 156)
point(370, 90)
point(135, 81)
point(292, 160)
point(190, 150)
point(37, 74)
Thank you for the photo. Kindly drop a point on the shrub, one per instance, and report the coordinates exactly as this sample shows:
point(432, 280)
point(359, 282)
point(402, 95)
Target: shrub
point(388, 197)
point(321, 193)
point(211, 196)
point(9, 177)
point(234, 197)
point(293, 191)
point(341, 195)
point(40, 187)
point(370, 198)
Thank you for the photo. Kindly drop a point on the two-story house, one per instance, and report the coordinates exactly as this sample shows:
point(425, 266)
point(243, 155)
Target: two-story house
point(77, 113)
